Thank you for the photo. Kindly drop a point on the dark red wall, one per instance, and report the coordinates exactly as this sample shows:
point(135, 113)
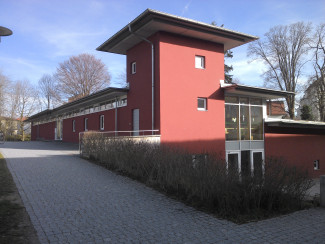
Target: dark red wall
point(298, 149)
point(140, 94)
point(43, 131)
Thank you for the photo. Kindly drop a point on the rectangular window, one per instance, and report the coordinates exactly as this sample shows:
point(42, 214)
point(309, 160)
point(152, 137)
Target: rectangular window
point(101, 122)
point(133, 67)
point(232, 125)
point(244, 123)
point(86, 124)
point(200, 62)
point(202, 104)
point(231, 100)
point(256, 123)
point(73, 126)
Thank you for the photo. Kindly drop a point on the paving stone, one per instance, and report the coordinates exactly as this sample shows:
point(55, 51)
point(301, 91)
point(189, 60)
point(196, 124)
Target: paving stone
point(71, 200)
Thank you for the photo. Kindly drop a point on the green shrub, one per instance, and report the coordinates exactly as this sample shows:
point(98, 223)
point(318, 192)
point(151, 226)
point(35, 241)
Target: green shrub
point(205, 181)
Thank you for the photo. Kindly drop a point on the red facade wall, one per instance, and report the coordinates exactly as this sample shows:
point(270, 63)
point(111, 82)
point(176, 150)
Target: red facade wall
point(180, 86)
point(297, 149)
point(140, 94)
point(43, 131)
point(93, 123)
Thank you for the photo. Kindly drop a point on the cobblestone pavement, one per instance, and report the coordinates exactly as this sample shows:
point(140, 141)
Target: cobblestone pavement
point(71, 200)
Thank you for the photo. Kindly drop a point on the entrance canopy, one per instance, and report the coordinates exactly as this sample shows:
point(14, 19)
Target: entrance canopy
point(252, 91)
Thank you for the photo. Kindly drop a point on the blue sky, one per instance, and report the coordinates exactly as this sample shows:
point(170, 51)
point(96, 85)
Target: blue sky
point(47, 32)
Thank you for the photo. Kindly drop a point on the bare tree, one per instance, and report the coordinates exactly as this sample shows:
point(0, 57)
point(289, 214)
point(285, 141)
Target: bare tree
point(227, 54)
point(47, 87)
point(316, 89)
point(121, 80)
point(283, 50)
point(4, 83)
point(82, 75)
point(23, 98)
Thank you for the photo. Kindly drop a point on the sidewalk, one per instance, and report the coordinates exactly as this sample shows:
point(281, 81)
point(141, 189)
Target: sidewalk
point(71, 200)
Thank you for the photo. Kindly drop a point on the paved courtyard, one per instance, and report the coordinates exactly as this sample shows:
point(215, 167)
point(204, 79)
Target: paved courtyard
point(70, 200)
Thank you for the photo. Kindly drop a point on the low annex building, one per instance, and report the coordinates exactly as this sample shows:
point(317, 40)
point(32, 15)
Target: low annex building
point(175, 73)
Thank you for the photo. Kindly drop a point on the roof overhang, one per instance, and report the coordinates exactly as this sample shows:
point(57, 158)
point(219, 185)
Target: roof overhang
point(152, 21)
point(289, 123)
point(98, 97)
point(243, 90)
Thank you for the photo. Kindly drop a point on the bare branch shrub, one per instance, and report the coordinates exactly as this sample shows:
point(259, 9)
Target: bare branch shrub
point(204, 182)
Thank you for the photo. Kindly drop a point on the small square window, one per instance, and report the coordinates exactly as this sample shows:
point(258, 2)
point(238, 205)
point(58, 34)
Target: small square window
point(200, 62)
point(316, 165)
point(202, 104)
point(101, 122)
point(133, 67)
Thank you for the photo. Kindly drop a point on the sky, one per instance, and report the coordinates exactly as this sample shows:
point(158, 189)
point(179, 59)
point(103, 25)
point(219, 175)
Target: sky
point(48, 32)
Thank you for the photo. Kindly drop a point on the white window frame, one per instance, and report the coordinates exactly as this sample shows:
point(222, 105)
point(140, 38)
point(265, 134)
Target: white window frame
point(199, 62)
point(205, 104)
point(74, 125)
point(101, 122)
point(86, 124)
point(133, 67)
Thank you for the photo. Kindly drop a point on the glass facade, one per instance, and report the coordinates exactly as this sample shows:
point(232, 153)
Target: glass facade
point(244, 119)
point(244, 135)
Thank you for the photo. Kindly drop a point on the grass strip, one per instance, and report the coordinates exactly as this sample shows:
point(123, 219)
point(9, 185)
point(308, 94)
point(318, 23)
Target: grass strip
point(15, 224)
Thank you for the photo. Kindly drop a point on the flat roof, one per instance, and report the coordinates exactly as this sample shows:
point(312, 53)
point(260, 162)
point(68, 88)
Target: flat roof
point(294, 123)
point(267, 93)
point(152, 21)
point(97, 97)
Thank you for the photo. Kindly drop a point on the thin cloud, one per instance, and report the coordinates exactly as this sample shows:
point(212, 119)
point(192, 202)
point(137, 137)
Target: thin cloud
point(66, 42)
point(186, 7)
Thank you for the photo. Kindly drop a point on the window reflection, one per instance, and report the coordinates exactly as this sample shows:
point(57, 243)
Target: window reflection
point(232, 132)
point(257, 123)
point(244, 123)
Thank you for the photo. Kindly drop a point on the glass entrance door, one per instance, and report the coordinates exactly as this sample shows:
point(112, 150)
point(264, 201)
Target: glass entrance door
point(233, 159)
point(257, 162)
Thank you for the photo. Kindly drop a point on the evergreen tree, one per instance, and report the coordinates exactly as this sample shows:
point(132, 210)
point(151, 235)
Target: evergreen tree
point(227, 68)
point(306, 113)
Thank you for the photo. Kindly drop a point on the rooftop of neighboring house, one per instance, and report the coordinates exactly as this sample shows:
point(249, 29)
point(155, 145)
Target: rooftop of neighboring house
point(276, 108)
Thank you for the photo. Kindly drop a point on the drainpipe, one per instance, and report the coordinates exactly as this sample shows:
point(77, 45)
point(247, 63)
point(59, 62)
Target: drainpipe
point(152, 78)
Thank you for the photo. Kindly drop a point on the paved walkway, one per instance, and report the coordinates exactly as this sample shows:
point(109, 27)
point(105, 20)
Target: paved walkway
point(72, 201)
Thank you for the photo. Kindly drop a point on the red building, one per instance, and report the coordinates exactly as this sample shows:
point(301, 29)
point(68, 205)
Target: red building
point(175, 73)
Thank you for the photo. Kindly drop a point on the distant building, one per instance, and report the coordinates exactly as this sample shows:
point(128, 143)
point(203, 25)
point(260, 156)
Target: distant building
point(310, 99)
point(184, 101)
point(12, 127)
point(276, 109)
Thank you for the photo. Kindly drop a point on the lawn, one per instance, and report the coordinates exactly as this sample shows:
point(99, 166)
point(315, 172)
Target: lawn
point(15, 224)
